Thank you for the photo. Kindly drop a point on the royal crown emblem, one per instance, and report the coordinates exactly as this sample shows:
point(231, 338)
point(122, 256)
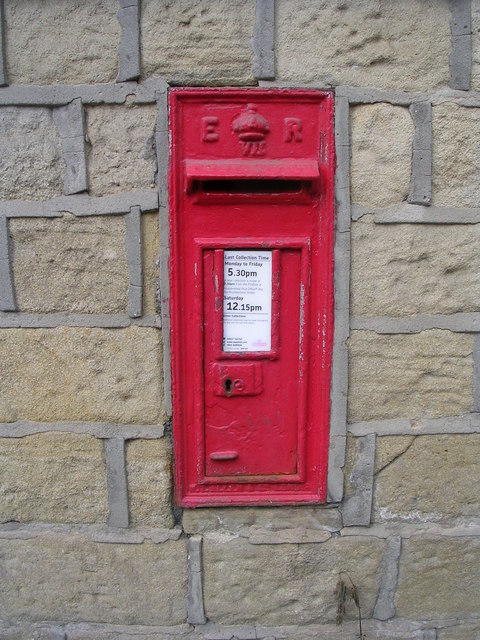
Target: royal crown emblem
point(250, 126)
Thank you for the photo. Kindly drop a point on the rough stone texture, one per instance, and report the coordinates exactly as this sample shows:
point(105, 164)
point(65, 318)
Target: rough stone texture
point(381, 154)
point(456, 153)
point(423, 375)
point(390, 448)
point(475, 79)
point(402, 270)
point(389, 44)
point(236, 520)
point(439, 578)
point(69, 373)
point(150, 252)
point(215, 41)
point(464, 631)
point(31, 162)
point(70, 264)
point(430, 481)
point(72, 579)
point(52, 477)
point(149, 477)
point(121, 156)
point(286, 584)
point(51, 41)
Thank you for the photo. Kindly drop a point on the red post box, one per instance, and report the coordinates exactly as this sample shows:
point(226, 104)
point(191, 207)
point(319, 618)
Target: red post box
point(251, 215)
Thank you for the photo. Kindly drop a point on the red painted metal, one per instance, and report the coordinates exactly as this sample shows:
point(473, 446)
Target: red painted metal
point(251, 170)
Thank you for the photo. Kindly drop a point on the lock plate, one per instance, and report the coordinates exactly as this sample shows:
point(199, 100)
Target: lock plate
point(239, 379)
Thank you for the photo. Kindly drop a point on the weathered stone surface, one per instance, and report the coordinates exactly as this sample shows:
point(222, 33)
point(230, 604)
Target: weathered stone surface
point(463, 631)
point(31, 163)
point(121, 156)
point(215, 41)
point(72, 42)
point(439, 578)
point(286, 584)
point(72, 373)
point(388, 449)
point(71, 579)
point(53, 477)
point(150, 249)
point(149, 476)
point(402, 270)
point(431, 480)
point(456, 149)
point(475, 79)
point(240, 519)
point(381, 149)
point(422, 375)
point(388, 45)
point(70, 264)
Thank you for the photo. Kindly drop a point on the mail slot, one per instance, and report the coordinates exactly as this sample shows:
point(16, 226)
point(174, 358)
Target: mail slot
point(251, 303)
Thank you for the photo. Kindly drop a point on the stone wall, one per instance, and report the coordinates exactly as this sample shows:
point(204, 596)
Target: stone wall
point(91, 544)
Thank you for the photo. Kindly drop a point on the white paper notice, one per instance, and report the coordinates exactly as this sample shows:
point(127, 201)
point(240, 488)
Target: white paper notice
point(247, 300)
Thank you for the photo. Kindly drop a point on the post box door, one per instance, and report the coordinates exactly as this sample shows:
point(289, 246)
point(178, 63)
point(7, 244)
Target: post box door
point(253, 426)
point(251, 274)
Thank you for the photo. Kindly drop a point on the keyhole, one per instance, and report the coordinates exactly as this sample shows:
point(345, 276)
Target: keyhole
point(227, 385)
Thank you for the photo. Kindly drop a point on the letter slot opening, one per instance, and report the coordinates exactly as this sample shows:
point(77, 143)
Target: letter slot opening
point(254, 186)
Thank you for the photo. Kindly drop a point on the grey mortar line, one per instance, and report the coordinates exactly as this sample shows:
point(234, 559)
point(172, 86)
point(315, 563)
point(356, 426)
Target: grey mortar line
point(476, 373)
point(421, 175)
point(92, 94)
point(342, 174)
point(129, 47)
point(3, 54)
point(195, 607)
point(7, 292)
point(404, 213)
point(409, 530)
point(117, 490)
point(457, 322)
point(357, 508)
point(133, 242)
point(70, 123)
point(162, 152)
point(95, 533)
point(341, 282)
point(385, 605)
point(81, 205)
point(464, 424)
point(461, 54)
point(263, 42)
point(19, 320)
point(101, 430)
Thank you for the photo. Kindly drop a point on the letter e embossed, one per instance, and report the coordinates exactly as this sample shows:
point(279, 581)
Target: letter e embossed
point(209, 129)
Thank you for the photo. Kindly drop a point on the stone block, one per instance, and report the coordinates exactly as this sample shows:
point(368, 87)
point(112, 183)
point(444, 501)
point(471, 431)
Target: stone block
point(149, 475)
point(69, 42)
point(31, 162)
point(381, 154)
point(121, 156)
point(71, 373)
point(463, 631)
point(439, 578)
point(456, 148)
point(242, 519)
point(150, 253)
point(287, 584)
point(409, 376)
point(389, 45)
point(212, 43)
point(429, 479)
point(400, 270)
point(53, 477)
point(70, 264)
point(72, 579)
